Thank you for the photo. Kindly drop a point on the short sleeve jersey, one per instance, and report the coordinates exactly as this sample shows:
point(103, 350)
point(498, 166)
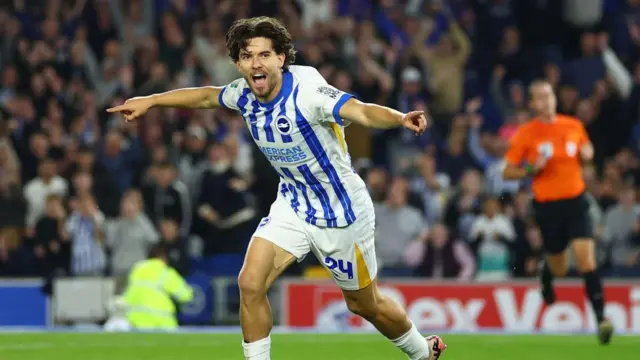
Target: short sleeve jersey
point(301, 132)
point(560, 141)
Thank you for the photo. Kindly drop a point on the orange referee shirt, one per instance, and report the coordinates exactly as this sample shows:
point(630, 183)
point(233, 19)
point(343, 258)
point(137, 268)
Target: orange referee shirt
point(560, 141)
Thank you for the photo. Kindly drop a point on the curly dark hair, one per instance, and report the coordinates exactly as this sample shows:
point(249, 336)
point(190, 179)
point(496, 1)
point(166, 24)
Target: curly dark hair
point(245, 29)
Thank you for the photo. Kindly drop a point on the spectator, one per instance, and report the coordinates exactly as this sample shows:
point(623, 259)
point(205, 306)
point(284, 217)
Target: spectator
point(509, 128)
point(120, 159)
point(511, 55)
point(13, 208)
point(192, 162)
point(50, 247)
point(465, 204)
point(429, 188)
point(239, 149)
point(85, 230)
point(224, 204)
point(519, 211)
point(34, 155)
point(8, 259)
point(589, 67)
point(620, 224)
point(129, 237)
point(552, 75)
point(516, 99)
point(488, 150)
point(445, 63)
point(36, 191)
point(211, 51)
point(269, 180)
point(176, 246)
point(528, 253)
point(454, 158)
point(103, 184)
point(9, 165)
point(12, 204)
point(440, 256)
point(568, 99)
point(82, 186)
point(397, 225)
point(633, 261)
point(168, 197)
point(377, 179)
point(492, 237)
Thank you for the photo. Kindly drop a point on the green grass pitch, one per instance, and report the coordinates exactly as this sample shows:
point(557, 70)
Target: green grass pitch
point(194, 346)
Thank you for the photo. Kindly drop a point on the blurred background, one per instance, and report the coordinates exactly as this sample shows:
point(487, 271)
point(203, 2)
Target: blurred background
point(194, 180)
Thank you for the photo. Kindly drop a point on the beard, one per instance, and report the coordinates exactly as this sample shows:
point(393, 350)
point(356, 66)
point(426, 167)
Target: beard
point(265, 88)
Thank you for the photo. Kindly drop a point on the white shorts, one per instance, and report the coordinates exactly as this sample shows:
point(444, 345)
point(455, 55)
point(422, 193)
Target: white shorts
point(348, 253)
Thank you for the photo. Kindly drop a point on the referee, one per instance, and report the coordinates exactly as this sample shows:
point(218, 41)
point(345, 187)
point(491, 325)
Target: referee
point(552, 146)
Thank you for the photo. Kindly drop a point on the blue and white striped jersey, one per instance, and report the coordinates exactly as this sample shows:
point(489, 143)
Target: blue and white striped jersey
point(301, 133)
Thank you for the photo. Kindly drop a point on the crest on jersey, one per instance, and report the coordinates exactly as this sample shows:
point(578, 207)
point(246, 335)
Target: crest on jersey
point(545, 149)
point(571, 148)
point(284, 126)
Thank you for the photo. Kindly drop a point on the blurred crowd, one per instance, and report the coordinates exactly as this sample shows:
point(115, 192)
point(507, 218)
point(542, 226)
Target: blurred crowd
point(83, 193)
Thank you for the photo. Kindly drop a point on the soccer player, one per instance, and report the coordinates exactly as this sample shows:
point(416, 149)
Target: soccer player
point(553, 147)
point(323, 206)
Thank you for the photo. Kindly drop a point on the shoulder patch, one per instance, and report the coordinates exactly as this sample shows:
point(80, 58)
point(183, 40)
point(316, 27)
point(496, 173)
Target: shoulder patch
point(328, 91)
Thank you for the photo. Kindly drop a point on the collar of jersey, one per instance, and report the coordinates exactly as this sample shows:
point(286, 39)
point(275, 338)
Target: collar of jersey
point(285, 89)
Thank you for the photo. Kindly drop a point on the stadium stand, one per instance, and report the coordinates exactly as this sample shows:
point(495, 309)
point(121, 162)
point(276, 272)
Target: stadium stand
point(194, 179)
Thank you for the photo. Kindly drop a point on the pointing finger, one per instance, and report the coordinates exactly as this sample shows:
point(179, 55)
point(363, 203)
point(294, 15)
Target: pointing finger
point(118, 108)
point(413, 114)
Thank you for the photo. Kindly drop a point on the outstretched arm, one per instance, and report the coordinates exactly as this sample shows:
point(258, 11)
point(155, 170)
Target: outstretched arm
point(206, 97)
point(382, 117)
point(191, 98)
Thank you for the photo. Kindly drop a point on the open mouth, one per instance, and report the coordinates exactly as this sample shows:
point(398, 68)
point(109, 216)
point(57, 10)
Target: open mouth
point(259, 79)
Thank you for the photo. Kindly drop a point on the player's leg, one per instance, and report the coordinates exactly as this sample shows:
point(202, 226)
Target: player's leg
point(385, 314)
point(349, 253)
point(584, 247)
point(264, 262)
point(392, 321)
point(556, 265)
point(550, 220)
point(276, 244)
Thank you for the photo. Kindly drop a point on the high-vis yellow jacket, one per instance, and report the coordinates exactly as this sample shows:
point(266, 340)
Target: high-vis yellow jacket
point(152, 284)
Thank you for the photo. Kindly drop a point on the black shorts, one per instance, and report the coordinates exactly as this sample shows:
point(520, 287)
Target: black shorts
point(562, 221)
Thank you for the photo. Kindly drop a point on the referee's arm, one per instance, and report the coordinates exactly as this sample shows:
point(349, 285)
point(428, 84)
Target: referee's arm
point(512, 172)
point(586, 146)
point(516, 156)
point(587, 152)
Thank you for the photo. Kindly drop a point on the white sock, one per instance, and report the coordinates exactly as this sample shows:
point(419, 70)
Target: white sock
point(413, 344)
point(258, 350)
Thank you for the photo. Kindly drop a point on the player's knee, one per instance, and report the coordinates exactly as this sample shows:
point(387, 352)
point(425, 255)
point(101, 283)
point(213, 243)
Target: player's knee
point(585, 267)
point(585, 256)
point(250, 284)
point(559, 271)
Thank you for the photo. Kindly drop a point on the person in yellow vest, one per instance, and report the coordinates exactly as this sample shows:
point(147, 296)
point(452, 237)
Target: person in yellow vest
point(152, 285)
